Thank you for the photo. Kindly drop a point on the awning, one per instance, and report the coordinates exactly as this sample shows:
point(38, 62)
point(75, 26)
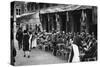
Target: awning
point(59, 8)
point(25, 14)
point(62, 8)
point(29, 18)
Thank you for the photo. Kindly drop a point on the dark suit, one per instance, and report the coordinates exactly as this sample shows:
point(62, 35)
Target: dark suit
point(25, 42)
point(19, 37)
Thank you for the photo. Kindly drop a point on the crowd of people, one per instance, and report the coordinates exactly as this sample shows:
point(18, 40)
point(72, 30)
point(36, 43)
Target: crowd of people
point(75, 47)
point(83, 45)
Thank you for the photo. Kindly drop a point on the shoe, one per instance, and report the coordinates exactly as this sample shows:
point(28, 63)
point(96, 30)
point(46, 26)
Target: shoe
point(28, 56)
point(24, 55)
point(29, 50)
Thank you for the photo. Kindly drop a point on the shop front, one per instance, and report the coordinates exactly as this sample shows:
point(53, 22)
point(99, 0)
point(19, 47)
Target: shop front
point(74, 20)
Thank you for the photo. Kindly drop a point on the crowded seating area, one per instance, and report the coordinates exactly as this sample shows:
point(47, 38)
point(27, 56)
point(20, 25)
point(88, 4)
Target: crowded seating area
point(60, 44)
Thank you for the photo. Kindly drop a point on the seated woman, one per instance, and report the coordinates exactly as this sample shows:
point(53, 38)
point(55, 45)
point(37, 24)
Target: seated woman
point(26, 45)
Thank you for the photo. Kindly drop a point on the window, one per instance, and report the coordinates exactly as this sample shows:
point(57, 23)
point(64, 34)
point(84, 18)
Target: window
point(16, 11)
point(19, 12)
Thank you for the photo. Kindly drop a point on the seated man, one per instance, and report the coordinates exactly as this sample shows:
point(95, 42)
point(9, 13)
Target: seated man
point(91, 51)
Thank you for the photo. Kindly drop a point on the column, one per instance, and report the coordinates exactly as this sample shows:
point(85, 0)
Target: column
point(44, 22)
point(67, 20)
point(48, 23)
point(14, 24)
point(52, 22)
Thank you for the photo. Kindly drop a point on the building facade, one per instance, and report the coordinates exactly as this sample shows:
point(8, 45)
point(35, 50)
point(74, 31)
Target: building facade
point(55, 17)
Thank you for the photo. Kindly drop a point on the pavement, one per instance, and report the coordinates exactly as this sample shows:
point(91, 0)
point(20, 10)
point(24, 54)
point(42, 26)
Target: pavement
point(37, 57)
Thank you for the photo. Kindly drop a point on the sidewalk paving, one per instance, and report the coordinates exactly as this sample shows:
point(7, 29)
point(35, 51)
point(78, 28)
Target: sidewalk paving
point(37, 57)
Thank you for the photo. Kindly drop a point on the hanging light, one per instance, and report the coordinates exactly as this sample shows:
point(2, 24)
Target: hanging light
point(83, 16)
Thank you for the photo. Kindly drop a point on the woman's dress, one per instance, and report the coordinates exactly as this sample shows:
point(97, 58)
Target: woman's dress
point(26, 42)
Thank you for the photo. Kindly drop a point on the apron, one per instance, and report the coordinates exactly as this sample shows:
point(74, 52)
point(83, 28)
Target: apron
point(34, 43)
point(76, 53)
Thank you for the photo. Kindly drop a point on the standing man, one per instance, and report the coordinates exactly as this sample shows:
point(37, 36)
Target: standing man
point(19, 37)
